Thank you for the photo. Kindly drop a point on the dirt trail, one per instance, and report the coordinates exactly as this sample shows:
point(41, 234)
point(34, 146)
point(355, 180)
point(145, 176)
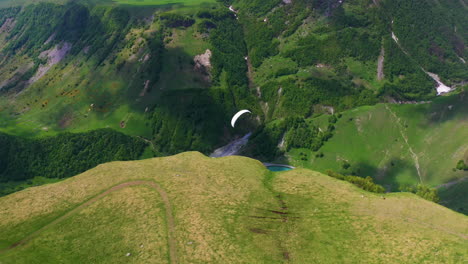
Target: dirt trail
point(380, 65)
point(148, 141)
point(162, 193)
point(405, 138)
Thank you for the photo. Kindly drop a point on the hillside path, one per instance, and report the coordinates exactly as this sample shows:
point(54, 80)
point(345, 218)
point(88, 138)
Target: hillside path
point(380, 65)
point(155, 186)
point(405, 138)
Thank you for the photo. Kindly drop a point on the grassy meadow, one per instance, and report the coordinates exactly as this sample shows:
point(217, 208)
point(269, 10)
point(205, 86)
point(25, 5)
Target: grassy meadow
point(193, 209)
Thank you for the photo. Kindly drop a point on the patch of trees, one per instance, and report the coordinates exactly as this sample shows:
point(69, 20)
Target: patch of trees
point(359, 17)
point(296, 132)
point(407, 79)
point(153, 67)
point(301, 134)
point(350, 36)
point(260, 40)
point(430, 194)
point(285, 71)
point(63, 155)
point(187, 120)
point(34, 25)
point(431, 33)
point(229, 68)
point(461, 165)
point(263, 143)
point(205, 26)
point(99, 28)
point(324, 6)
point(229, 51)
point(6, 13)
point(175, 20)
point(195, 119)
point(215, 14)
point(366, 183)
point(264, 21)
point(73, 24)
point(107, 27)
point(285, 20)
point(303, 156)
point(297, 97)
point(363, 45)
point(349, 42)
point(225, 2)
point(259, 7)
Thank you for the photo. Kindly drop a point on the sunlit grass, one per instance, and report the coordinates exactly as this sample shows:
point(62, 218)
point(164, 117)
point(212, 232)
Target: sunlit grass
point(228, 210)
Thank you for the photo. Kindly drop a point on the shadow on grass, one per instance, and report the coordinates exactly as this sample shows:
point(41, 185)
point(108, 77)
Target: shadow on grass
point(455, 198)
point(442, 109)
point(386, 175)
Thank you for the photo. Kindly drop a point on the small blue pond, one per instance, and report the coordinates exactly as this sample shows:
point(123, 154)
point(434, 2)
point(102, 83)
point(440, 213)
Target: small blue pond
point(279, 168)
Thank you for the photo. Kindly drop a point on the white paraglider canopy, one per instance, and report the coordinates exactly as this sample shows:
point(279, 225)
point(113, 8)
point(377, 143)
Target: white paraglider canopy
point(236, 116)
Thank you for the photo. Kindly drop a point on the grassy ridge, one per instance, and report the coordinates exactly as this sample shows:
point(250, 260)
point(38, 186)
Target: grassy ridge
point(126, 229)
point(228, 210)
point(132, 72)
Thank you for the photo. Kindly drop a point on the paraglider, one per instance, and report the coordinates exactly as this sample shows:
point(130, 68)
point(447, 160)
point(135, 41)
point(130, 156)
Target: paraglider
point(236, 116)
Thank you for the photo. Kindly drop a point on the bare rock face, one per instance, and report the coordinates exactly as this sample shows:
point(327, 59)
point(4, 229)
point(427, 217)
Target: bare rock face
point(53, 56)
point(380, 65)
point(52, 37)
point(203, 60)
point(7, 25)
point(203, 63)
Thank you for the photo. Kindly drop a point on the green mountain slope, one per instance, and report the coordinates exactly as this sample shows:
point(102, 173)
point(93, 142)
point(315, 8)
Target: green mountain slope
point(398, 145)
point(342, 53)
point(98, 64)
point(375, 139)
point(174, 72)
point(189, 208)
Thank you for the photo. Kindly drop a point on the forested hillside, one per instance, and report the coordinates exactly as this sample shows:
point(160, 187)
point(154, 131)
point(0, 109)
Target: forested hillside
point(62, 156)
point(83, 65)
point(299, 54)
point(173, 73)
point(80, 66)
point(341, 53)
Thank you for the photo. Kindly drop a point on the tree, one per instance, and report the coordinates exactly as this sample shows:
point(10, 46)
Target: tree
point(427, 193)
point(346, 165)
point(461, 165)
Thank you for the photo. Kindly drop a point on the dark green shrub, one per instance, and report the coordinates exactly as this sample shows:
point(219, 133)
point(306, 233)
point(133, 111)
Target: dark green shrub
point(363, 183)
